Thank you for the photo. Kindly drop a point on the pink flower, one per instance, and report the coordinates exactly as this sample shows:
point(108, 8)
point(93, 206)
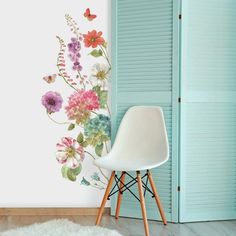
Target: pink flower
point(69, 152)
point(80, 105)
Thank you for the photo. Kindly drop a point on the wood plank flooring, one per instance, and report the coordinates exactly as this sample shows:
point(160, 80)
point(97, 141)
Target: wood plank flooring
point(132, 227)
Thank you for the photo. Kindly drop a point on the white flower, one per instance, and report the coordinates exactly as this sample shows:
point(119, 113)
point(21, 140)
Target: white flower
point(69, 152)
point(100, 71)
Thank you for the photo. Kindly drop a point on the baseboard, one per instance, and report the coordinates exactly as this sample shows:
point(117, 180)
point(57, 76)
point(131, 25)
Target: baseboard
point(51, 211)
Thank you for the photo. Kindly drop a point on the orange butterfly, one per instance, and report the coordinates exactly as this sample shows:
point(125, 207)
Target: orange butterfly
point(50, 79)
point(88, 15)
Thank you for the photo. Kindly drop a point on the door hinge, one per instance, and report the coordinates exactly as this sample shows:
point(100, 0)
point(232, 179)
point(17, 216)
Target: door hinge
point(179, 99)
point(178, 188)
point(180, 16)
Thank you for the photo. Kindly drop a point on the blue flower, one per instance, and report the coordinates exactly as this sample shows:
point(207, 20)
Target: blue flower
point(95, 176)
point(98, 130)
point(85, 182)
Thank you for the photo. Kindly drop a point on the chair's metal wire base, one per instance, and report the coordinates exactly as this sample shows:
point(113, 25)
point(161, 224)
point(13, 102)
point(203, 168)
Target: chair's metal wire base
point(116, 188)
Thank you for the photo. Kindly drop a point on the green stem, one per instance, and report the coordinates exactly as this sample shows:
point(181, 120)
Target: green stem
point(62, 46)
point(102, 182)
point(106, 147)
point(108, 71)
point(59, 123)
point(72, 24)
point(97, 187)
point(81, 79)
point(98, 167)
point(108, 110)
point(105, 55)
point(65, 78)
point(90, 154)
point(96, 184)
point(94, 113)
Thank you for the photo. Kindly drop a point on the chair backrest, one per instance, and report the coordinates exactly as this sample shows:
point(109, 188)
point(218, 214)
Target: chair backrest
point(142, 134)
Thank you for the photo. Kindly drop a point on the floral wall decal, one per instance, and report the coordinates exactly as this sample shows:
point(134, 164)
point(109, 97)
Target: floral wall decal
point(86, 108)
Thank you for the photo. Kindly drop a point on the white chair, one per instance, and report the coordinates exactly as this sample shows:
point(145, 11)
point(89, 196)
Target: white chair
point(141, 144)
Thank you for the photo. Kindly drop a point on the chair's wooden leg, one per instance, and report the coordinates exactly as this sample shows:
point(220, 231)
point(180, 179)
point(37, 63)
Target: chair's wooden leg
point(158, 201)
point(142, 203)
point(120, 195)
point(100, 212)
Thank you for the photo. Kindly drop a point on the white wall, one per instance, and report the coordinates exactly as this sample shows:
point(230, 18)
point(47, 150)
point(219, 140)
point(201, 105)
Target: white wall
point(29, 173)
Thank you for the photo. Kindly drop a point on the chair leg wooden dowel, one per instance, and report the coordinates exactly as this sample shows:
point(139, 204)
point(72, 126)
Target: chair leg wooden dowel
point(119, 198)
point(158, 201)
point(100, 212)
point(142, 203)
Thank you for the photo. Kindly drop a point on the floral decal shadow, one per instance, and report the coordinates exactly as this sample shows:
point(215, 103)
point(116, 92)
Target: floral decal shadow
point(86, 108)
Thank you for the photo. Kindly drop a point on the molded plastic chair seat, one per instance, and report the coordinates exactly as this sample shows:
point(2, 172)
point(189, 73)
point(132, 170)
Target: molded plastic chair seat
point(110, 163)
point(141, 141)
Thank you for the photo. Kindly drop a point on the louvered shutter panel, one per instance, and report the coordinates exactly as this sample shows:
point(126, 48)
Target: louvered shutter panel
point(145, 72)
point(208, 111)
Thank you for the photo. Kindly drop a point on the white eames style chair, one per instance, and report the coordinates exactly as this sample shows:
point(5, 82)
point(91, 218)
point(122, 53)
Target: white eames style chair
point(141, 144)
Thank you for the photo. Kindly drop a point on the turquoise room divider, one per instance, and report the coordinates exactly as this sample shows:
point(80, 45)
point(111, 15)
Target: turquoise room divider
point(208, 111)
point(181, 55)
point(145, 72)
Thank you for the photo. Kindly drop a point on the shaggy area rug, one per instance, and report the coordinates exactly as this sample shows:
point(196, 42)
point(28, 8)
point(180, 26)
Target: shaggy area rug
point(60, 227)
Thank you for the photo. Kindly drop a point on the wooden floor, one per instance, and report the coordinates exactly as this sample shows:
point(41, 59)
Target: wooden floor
point(132, 227)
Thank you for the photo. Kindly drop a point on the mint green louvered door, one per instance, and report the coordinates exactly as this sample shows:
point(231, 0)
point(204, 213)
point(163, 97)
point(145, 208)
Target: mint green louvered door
point(145, 72)
point(149, 52)
point(208, 111)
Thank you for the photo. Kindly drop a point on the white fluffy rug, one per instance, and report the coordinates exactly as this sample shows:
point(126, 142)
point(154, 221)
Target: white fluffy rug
point(60, 227)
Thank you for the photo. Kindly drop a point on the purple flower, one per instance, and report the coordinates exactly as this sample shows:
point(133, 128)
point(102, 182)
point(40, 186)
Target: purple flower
point(74, 48)
point(77, 66)
point(52, 101)
point(74, 57)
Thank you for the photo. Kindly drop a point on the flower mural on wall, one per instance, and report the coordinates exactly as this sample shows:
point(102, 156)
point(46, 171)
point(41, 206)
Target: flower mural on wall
point(86, 108)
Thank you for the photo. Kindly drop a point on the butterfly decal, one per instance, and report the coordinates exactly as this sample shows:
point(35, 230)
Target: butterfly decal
point(50, 79)
point(88, 15)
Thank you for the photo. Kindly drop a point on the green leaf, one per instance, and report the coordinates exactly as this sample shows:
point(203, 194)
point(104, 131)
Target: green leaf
point(77, 170)
point(98, 149)
point(97, 89)
point(102, 96)
point(70, 175)
point(96, 53)
point(104, 44)
point(103, 99)
point(80, 138)
point(85, 182)
point(64, 170)
point(95, 176)
point(71, 126)
point(84, 144)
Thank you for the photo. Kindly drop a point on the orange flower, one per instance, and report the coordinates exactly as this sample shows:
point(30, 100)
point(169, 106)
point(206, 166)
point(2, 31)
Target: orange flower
point(93, 39)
